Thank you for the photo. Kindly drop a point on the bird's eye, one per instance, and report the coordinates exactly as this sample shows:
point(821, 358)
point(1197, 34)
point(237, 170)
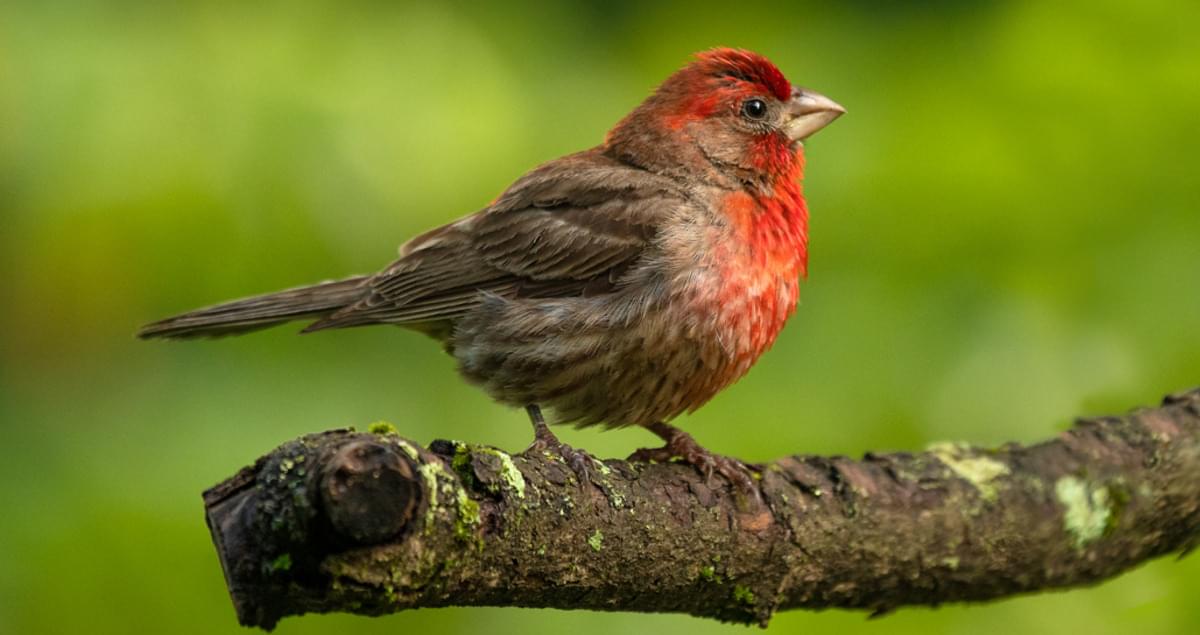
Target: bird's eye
point(754, 109)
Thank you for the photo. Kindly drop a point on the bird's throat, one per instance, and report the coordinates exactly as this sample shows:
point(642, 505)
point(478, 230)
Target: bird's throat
point(770, 229)
point(759, 281)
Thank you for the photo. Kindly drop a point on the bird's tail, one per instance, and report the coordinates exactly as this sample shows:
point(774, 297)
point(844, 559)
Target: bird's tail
point(259, 312)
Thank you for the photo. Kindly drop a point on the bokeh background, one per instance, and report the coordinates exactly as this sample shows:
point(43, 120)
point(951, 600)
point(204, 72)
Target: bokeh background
point(1005, 234)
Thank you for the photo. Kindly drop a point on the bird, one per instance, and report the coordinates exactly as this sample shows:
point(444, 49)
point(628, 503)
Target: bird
point(623, 285)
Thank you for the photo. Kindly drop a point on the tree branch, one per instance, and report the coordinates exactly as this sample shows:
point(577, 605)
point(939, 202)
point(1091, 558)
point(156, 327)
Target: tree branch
point(372, 523)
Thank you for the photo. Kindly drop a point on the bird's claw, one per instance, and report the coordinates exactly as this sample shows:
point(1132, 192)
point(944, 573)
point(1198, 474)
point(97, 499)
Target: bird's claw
point(544, 440)
point(681, 445)
point(579, 461)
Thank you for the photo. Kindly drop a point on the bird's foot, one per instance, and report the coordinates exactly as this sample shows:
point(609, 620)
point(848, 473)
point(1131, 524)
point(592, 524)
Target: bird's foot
point(682, 445)
point(544, 441)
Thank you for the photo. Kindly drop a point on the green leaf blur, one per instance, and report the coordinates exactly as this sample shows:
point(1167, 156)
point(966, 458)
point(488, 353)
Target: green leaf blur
point(1005, 234)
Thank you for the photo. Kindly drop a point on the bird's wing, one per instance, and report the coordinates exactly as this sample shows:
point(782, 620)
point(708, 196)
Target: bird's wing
point(567, 228)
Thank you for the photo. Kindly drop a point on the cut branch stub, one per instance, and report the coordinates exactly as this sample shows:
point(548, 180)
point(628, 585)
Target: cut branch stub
point(275, 522)
point(369, 491)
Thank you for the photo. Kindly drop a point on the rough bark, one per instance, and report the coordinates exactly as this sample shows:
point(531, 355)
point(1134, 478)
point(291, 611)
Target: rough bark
point(371, 523)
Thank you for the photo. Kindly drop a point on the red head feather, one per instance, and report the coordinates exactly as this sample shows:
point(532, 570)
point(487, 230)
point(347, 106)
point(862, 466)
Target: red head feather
point(747, 66)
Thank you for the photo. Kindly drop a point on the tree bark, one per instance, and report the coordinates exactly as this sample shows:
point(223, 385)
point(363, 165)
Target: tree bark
point(371, 523)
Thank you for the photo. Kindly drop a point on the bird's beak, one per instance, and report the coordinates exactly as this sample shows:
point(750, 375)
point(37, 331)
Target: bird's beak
point(809, 112)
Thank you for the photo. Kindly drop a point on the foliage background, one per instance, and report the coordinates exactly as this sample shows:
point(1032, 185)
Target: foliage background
point(1005, 234)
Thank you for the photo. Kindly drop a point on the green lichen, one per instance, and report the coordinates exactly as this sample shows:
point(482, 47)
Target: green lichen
point(468, 516)
point(743, 595)
point(382, 427)
point(615, 498)
point(281, 563)
point(979, 471)
point(596, 540)
point(461, 463)
point(1086, 510)
point(509, 473)
point(429, 474)
point(407, 448)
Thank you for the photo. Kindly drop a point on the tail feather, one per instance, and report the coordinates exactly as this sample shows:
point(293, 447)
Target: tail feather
point(258, 312)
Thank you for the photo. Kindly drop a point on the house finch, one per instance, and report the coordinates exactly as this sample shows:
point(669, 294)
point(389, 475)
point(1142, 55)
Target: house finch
point(622, 285)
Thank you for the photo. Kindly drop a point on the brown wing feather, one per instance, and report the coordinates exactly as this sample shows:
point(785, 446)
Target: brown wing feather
point(569, 227)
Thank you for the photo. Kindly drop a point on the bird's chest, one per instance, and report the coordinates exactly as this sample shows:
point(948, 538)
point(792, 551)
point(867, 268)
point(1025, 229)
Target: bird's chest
point(749, 285)
point(753, 304)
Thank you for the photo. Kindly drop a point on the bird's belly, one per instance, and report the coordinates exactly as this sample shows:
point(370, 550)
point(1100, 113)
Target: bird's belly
point(747, 311)
point(622, 360)
point(752, 309)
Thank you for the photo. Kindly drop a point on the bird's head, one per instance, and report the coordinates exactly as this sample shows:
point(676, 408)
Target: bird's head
point(729, 108)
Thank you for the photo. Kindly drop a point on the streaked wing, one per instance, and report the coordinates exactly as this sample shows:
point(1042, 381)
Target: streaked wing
point(570, 227)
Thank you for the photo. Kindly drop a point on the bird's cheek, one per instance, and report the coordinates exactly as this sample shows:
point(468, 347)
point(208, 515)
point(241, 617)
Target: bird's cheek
point(720, 147)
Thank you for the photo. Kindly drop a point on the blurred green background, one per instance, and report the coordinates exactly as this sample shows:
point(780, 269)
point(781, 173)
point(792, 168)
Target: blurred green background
point(1005, 234)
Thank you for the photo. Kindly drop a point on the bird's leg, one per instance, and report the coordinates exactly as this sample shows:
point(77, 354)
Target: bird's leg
point(681, 444)
point(545, 441)
point(542, 436)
